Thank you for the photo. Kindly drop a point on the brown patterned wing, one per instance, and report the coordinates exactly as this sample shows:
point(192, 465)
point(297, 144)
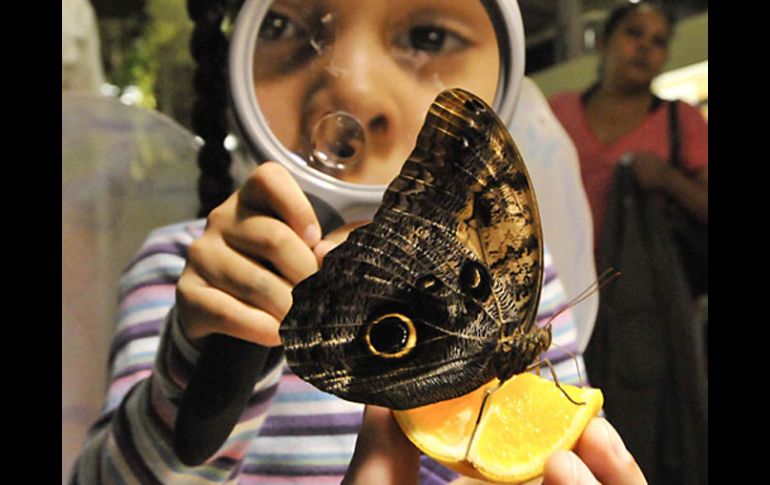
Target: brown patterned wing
point(438, 294)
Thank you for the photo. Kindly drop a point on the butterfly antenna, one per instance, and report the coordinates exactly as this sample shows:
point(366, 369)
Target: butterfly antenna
point(605, 278)
point(602, 281)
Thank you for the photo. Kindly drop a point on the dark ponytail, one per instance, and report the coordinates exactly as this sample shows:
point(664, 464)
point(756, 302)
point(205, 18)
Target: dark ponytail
point(209, 46)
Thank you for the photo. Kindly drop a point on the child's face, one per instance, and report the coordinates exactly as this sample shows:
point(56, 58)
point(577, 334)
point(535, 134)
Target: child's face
point(384, 62)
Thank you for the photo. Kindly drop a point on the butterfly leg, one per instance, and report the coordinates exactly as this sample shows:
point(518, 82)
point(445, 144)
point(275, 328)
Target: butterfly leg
point(483, 406)
point(574, 359)
point(537, 366)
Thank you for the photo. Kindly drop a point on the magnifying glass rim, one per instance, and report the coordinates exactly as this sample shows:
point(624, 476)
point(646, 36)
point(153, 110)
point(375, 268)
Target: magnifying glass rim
point(250, 116)
point(505, 16)
point(509, 28)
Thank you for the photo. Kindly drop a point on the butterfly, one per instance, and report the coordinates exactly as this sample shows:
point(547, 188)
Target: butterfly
point(437, 295)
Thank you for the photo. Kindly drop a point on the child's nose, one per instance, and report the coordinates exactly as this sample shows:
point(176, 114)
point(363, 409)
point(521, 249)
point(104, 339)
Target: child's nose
point(361, 79)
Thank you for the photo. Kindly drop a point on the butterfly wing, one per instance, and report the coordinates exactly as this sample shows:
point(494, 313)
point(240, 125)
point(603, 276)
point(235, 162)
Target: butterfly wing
point(415, 307)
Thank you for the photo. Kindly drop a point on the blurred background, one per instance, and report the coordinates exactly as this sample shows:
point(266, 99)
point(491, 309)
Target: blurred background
point(122, 61)
point(144, 49)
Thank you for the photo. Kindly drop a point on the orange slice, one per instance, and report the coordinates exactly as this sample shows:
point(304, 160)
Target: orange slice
point(523, 422)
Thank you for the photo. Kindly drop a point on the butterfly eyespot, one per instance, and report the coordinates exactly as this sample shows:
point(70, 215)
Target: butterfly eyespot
point(428, 283)
point(475, 280)
point(391, 336)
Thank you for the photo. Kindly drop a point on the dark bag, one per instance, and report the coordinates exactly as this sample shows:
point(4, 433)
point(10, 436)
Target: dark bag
point(645, 353)
point(691, 235)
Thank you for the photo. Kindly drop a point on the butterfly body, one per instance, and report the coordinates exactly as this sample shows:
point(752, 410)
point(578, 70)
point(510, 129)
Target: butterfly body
point(438, 294)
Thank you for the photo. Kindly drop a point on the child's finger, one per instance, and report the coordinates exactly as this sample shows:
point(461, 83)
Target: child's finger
point(242, 277)
point(208, 310)
point(602, 449)
point(334, 239)
point(268, 239)
point(565, 468)
point(383, 454)
point(271, 189)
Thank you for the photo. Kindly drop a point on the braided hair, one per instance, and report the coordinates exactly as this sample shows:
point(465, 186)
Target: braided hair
point(209, 48)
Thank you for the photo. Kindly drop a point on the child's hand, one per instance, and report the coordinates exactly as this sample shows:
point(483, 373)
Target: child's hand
point(257, 245)
point(599, 457)
point(334, 239)
point(384, 455)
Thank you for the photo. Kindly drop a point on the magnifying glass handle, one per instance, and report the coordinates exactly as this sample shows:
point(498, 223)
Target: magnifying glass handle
point(218, 392)
point(223, 379)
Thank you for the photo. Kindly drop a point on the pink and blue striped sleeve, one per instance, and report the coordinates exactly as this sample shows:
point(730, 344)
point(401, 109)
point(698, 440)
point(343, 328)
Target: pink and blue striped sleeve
point(151, 361)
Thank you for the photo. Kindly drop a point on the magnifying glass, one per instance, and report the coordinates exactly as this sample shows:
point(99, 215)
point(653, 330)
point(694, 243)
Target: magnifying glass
point(303, 61)
point(336, 92)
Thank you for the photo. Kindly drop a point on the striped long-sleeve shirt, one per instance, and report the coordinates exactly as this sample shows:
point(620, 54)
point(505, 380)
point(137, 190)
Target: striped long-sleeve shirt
point(290, 432)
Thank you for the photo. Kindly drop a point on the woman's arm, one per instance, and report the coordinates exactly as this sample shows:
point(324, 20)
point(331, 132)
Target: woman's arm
point(689, 191)
point(687, 184)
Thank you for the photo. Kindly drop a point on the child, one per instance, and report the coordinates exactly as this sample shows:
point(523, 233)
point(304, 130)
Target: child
point(233, 272)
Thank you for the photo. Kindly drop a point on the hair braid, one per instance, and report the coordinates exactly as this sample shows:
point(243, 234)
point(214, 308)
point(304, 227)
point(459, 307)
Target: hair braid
point(208, 46)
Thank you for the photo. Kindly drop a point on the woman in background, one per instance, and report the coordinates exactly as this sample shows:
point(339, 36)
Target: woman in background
point(645, 352)
point(619, 117)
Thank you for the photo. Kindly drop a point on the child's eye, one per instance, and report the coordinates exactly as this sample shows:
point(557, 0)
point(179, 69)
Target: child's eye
point(431, 39)
point(277, 26)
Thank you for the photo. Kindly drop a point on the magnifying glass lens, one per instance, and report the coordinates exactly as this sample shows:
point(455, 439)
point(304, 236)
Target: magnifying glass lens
point(337, 142)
